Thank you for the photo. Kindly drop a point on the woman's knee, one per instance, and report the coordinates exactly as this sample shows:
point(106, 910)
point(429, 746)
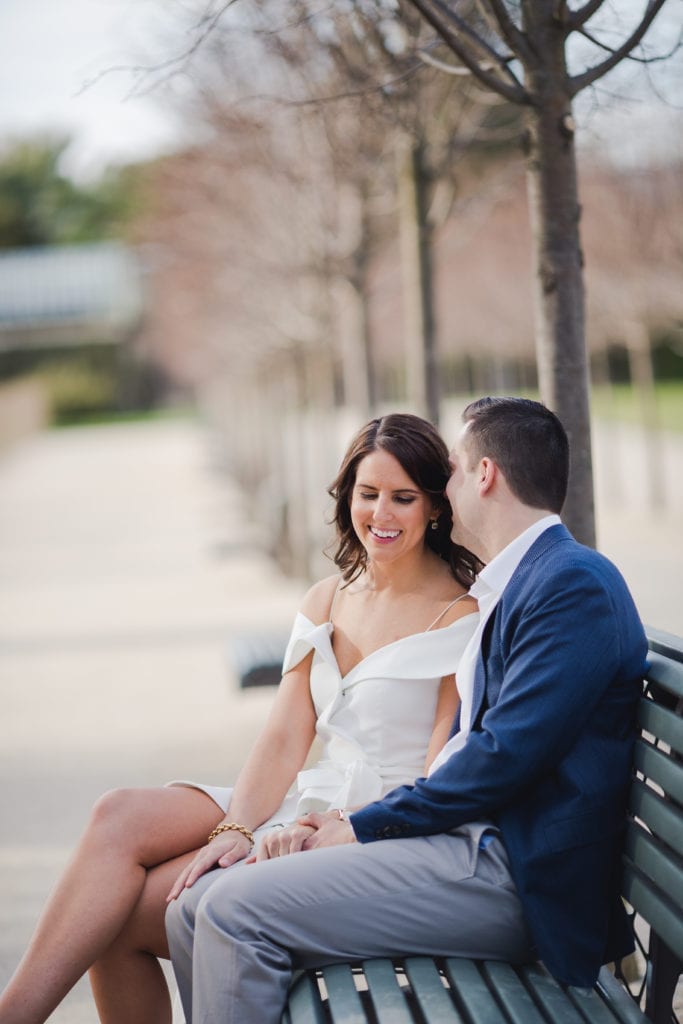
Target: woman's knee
point(114, 806)
point(119, 817)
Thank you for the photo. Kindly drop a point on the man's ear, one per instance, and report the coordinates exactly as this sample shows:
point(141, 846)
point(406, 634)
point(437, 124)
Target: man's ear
point(487, 474)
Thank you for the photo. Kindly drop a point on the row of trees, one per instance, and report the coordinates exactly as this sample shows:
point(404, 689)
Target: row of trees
point(326, 128)
point(310, 249)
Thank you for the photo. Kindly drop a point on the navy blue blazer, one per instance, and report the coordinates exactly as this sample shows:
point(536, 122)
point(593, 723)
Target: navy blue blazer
point(549, 755)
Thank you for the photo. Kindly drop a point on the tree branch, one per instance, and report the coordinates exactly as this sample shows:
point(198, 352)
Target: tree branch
point(579, 17)
point(513, 36)
point(579, 82)
point(448, 25)
point(202, 30)
point(458, 70)
point(312, 101)
point(639, 60)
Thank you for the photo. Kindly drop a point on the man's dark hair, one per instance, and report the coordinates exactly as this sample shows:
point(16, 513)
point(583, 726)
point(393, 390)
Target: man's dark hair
point(527, 442)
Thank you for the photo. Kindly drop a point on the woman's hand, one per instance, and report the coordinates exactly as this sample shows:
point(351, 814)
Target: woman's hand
point(281, 841)
point(226, 849)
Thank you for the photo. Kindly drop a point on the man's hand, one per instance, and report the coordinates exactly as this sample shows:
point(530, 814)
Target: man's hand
point(281, 841)
point(329, 830)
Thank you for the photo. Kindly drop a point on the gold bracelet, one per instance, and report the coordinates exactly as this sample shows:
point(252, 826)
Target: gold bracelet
point(231, 826)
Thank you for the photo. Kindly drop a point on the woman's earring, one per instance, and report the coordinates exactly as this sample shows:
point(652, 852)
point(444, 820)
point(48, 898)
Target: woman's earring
point(435, 524)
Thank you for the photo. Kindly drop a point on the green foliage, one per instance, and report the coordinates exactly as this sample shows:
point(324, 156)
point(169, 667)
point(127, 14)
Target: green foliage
point(40, 206)
point(78, 392)
point(621, 402)
point(667, 354)
point(78, 383)
point(88, 382)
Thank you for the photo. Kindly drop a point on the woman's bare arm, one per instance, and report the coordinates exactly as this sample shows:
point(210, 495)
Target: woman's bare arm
point(446, 707)
point(278, 753)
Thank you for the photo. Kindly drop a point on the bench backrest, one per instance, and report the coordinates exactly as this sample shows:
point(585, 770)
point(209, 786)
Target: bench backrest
point(653, 863)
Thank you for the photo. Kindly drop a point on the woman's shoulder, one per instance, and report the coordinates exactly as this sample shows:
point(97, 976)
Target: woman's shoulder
point(318, 601)
point(457, 608)
point(456, 599)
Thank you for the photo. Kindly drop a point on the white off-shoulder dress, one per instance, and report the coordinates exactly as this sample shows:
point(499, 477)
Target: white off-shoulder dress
point(374, 723)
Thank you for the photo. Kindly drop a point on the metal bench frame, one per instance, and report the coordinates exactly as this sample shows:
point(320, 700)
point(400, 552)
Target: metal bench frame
point(434, 990)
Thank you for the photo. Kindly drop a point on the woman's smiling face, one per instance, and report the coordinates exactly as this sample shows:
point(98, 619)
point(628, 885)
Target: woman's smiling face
point(389, 512)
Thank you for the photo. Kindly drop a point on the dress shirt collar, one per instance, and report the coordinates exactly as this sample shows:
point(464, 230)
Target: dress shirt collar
point(494, 577)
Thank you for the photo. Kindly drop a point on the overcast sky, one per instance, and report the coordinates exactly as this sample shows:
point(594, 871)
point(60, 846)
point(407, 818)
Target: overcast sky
point(50, 50)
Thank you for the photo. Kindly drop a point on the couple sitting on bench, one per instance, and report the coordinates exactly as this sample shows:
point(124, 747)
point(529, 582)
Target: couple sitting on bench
point(501, 840)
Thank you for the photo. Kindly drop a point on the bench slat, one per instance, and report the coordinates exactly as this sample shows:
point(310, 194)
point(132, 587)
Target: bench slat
point(304, 1005)
point(660, 768)
point(511, 992)
point(655, 907)
point(665, 725)
point(385, 992)
point(668, 644)
point(661, 817)
point(473, 992)
point(553, 1000)
point(592, 1008)
point(344, 1002)
point(665, 672)
point(664, 869)
point(622, 1005)
point(430, 994)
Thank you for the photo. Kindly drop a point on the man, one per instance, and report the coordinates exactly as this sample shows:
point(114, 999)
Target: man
point(510, 848)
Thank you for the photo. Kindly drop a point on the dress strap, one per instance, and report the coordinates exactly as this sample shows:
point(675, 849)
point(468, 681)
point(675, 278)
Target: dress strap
point(334, 598)
point(446, 609)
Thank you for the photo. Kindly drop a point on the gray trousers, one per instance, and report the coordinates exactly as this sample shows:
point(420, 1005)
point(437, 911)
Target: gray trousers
point(238, 933)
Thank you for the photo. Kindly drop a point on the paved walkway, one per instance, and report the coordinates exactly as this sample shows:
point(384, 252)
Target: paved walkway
point(124, 563)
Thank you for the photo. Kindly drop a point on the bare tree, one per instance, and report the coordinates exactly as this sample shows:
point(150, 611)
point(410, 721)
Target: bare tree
point(519, 50)
point(413, 118)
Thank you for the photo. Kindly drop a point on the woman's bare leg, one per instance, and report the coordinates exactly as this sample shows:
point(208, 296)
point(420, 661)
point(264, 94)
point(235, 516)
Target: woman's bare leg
point(129, 832)
point(127, 980)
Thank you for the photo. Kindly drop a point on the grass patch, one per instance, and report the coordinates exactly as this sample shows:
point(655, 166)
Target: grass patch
point(132, 416)
point(620, 402)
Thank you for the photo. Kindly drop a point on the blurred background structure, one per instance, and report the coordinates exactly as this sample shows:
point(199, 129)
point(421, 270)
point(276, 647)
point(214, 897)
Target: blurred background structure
point(245, 229)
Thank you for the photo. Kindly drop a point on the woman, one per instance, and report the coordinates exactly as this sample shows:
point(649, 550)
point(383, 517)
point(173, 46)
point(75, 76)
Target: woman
point(369, 670)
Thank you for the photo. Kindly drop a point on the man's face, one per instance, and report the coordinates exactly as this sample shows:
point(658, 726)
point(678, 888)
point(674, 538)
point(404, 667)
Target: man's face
point(461, 491)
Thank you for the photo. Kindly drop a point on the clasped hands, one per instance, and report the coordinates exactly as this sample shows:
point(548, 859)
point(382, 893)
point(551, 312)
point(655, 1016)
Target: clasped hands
point(311, 832)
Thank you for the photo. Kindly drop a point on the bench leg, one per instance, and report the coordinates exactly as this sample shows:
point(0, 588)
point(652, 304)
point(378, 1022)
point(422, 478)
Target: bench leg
point(665, 970)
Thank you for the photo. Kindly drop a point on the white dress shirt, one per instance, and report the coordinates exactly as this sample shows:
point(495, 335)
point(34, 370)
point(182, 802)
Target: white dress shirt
point(487, 589)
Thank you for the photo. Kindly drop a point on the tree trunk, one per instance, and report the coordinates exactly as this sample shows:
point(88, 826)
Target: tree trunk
point(416, 258)
point(557, 259)
point(352, 295)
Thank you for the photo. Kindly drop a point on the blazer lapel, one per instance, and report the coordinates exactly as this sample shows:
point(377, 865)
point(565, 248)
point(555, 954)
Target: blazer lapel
point(479, 687)
point(456, 723)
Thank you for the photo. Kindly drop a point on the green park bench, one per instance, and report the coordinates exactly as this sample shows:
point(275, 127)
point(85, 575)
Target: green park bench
point(439, 990)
